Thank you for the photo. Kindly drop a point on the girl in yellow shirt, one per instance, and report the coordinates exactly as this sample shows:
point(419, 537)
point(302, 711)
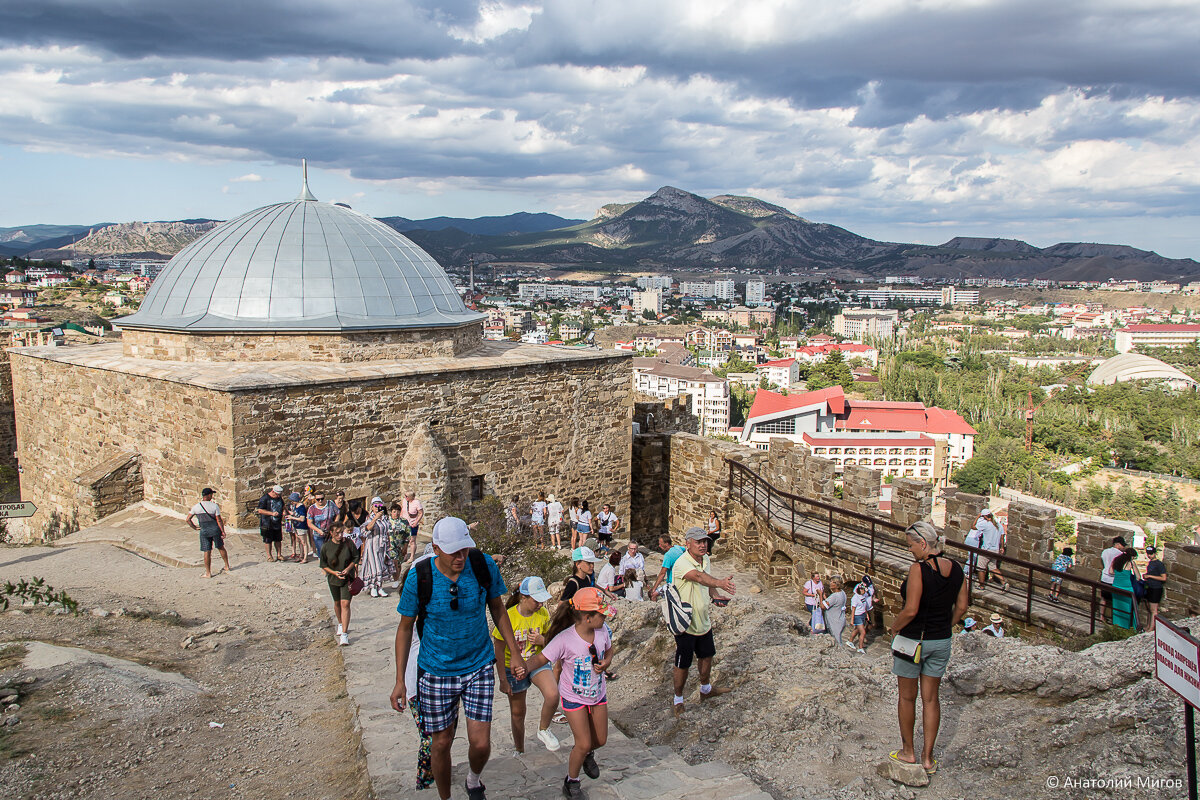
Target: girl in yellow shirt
point(530, 621)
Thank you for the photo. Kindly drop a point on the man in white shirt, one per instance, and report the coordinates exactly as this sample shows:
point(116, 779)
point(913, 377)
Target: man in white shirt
point(1108, 556)
point(608, 523)
point(554, 512)
point(633, 559)
point(205, 517)
point(991, 539)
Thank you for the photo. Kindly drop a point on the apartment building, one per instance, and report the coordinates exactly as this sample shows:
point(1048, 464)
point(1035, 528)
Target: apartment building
point(708, 394)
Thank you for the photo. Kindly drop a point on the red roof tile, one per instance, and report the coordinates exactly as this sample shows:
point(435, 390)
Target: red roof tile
point(768, 402)
point(1148, 328)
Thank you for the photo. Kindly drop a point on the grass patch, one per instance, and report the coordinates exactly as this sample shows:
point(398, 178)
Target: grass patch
point(55, 713)
point(11, 655)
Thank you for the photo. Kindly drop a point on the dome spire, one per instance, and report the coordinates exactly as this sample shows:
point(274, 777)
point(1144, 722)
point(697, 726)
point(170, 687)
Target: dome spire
point(305, 194)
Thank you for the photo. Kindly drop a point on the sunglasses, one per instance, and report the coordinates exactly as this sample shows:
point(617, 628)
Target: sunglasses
point(592, 650)
point(454, 597)
point(320, 499)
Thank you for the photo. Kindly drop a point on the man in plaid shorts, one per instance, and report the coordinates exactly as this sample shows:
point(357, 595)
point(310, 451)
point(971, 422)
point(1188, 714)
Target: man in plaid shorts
point(456, 660)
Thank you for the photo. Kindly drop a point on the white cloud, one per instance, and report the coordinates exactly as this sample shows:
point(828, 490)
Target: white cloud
point(249, 177)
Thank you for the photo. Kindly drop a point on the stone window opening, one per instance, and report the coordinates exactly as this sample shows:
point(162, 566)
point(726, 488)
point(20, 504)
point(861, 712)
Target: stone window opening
point(476, 487)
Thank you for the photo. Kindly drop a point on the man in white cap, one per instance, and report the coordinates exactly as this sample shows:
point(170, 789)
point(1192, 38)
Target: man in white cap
point(270, 521)
point(447, 598)
point(692, 576)
point(991, 537)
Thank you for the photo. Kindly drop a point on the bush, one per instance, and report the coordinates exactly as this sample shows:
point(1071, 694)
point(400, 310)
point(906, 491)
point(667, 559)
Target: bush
point(520, 556)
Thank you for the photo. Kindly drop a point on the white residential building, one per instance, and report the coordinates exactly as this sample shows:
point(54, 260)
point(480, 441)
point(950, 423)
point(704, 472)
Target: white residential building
point(756, 292)
point(558, 291)
point(648, 299)
point(662, 282)
point(782, 373)
point(861, 323)
point(725, 289)
point(1146, 335)
point(709, 395)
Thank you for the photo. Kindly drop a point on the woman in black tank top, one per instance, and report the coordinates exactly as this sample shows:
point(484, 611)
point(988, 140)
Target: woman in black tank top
point(935, 599)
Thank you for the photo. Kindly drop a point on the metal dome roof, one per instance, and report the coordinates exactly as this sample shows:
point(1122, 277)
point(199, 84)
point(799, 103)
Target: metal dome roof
point(1137, 367)
point(300, 266)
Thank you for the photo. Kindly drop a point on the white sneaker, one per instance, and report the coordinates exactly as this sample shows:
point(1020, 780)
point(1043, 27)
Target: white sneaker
point(861, 650)
point(849, 644)
point(343, 639)
point(338, 632)
point(382, 593)
point(374, 593)
point(549, 739)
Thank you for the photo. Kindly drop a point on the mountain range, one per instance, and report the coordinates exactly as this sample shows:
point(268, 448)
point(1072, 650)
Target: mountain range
point(674, 230)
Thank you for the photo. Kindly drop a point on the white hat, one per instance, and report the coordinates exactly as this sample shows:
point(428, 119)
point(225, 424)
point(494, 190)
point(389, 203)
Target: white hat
point(585, 554)
point(535, 587)
point(551, 497)
point(451, 534)
point(277, 489)
point(987, 512)
point(375, 500)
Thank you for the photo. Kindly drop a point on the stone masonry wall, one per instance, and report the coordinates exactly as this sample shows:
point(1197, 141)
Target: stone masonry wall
point(324, 347)
point(665, 416)
point(1031, 532)
point(113, 484)
point(562, 427)
point(8, 422)
point(1091, 539)
point(650, 484)
point(1182, 596)
point(912, 500)
point(962, 512)
point(72, 418)
point(860, 489)
point(699, 479)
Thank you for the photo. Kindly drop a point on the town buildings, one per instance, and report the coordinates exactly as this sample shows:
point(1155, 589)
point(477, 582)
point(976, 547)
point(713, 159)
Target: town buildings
point(1132, 337)
point(756, 292)
point(708, 395)
point(906, 439)
point(859, 324)
point(558, 291)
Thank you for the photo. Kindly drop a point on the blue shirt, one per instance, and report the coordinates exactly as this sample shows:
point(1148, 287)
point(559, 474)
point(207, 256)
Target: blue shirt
point(669, 559)
point(454, 642)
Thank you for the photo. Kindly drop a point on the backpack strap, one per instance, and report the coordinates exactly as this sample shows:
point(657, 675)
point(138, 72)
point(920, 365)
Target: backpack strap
point(424, 592)
point(479, 566)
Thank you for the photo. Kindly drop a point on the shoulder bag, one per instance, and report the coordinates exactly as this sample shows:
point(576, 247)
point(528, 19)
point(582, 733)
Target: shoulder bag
point(676, 613)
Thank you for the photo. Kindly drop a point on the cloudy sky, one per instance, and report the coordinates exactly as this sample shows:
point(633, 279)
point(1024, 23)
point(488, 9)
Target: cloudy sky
point(905, 120)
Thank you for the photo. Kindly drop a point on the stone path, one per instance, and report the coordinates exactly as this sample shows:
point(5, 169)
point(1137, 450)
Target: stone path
point(629, 770)
point(161, 538)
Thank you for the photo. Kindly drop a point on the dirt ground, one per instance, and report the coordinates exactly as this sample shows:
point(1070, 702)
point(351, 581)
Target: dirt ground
point(119, 709)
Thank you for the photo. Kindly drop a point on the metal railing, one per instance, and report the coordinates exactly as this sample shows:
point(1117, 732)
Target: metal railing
point(876, 540)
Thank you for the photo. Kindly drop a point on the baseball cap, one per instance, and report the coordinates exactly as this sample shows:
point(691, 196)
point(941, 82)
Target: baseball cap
point(294, 497)
point(451, 534)
point(590, 599)
point(1151, 550)
point(277, 489)
point(696, 534)
point(987, 512)
point(535, 587)
point(207, 490)
point(584, 554)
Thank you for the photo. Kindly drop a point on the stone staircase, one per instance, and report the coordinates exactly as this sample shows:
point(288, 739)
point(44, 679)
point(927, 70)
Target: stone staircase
point(629, 770)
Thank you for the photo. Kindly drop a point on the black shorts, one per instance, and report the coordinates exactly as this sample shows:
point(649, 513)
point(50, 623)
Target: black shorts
point(1106, 596)
point(688, 645)
point(1154, 594)
point(271, 536)
point(340, 592)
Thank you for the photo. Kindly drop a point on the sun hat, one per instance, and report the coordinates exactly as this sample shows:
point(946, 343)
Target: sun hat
point(696, 534)
point(550, 497)
point(585, 554)
point(590, 599)
point(535, 587)
point(376, 501)
point(451, 534)
point(996, 619)
point(969, 622)
point(294, 497)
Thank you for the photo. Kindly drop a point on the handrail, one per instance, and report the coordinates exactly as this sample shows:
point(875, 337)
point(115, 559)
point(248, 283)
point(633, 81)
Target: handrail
point(1018, 567)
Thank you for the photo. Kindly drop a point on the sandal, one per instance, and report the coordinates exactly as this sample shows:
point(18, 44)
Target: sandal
point(560, 718)
point(932, 770)
point(895, 756)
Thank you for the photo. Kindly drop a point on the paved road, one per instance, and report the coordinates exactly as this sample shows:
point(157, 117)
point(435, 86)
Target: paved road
point(629, 769)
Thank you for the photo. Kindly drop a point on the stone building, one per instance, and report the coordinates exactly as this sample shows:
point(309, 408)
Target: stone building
point(305, 342)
